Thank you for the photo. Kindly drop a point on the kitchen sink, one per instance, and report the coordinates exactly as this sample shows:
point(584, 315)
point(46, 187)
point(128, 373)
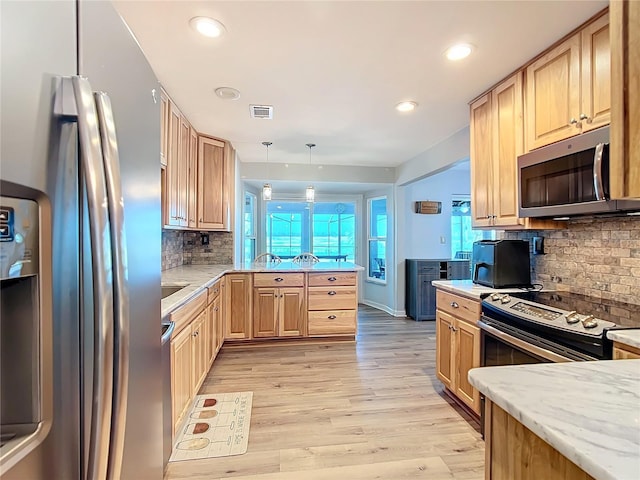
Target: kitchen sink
point(170, 290)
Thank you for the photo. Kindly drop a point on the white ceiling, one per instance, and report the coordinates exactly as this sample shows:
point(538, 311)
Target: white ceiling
point(335, 70)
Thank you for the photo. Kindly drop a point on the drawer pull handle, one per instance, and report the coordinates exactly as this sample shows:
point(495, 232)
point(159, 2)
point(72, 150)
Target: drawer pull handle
point(332, 292)
point(216, 309)
point(332, 279)
point(455, 304)
point(331, 317)
point(279, 279)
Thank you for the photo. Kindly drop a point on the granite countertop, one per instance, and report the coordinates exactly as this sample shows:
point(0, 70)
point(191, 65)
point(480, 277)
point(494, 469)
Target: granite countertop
point(588, 411)
point(628, 337)
point(196, 278)
point(467, 288)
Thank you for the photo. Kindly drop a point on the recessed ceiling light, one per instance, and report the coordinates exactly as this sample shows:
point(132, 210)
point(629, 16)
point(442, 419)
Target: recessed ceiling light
point(459, 51)
point(227, 93)
point(406, 106)
point(207, 26)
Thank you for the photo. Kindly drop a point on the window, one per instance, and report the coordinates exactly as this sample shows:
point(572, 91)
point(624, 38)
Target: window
point(377, 232)
point(326, 229)
point(249, 219)
point(462, 233)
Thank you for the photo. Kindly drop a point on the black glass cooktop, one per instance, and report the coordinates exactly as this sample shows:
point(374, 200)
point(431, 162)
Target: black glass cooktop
point(622, 314)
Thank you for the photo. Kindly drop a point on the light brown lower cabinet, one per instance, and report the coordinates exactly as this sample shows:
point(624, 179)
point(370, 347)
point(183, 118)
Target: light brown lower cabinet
point(457, 349)
point(279, 312)
point(191, 349)
point(181, 377)
point(199, 339)
point(625, 352)
point(237, 306)
point(512, 451)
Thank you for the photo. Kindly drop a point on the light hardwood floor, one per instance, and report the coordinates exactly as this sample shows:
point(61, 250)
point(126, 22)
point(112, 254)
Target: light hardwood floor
point(371, 410)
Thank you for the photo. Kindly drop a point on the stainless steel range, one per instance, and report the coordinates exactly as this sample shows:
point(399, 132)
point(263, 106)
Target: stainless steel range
point(536, 327)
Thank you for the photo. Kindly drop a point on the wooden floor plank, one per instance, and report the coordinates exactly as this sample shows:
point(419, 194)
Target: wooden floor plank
point(369, 410)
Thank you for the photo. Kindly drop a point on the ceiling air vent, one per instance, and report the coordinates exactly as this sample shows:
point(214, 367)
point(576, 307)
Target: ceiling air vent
point(261, 111)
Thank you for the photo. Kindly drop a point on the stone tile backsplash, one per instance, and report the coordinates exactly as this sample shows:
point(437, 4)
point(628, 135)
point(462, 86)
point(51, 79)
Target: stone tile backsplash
point(598, 257)
point(172, 255)
point(185, 248)
point(218, 251)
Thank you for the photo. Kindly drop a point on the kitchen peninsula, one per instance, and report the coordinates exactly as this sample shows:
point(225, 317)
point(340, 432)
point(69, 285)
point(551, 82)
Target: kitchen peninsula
point(251, 303)
point(329, 287)
point(561, 420)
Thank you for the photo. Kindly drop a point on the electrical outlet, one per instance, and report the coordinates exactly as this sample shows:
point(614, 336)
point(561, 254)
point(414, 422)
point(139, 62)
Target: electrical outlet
point(204, 237)
point(443, 239)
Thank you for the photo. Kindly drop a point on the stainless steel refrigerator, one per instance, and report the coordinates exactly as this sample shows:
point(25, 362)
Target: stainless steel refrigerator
point(80, 358)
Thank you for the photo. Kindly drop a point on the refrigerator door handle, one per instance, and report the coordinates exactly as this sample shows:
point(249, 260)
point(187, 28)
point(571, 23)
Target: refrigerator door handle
point(120, 282)
point(99, 231)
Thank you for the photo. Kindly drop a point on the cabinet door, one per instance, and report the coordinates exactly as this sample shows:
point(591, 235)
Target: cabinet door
point(553, 95)
point(507, 103)
point(211, 184)
point(192, 204)
point(467, 355)
point(181, 371)
point(625, 105)
point(595, 109)
point(426, 297)
point(265, 312)
point(199, 351)
point(293, 313)
point(237, 308)
point(211, 334)
point(173, 168)
point(444, 348)
point(481, 161)
point(219, 328)
point(183, 165)
point(164, 126)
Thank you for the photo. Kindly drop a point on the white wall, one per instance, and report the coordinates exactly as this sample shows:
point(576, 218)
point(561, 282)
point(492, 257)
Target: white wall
point(435, 159)
point(418, 234)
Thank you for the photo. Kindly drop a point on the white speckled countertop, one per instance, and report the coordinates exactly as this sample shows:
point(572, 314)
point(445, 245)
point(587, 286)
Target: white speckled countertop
point(467, 288)
point(628, 337)
point(195, 278)
point(588, 411)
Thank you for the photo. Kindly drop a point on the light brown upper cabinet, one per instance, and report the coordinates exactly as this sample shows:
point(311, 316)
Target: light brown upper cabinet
point(481, 161)
point(496, 141)
point(197, 174)
point(176, 169)
point(625, 108)
point(568, 88)
point(164, 126)
point(214, 185)
point(192, 184)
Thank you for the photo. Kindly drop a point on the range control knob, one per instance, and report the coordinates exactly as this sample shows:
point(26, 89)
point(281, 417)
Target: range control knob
point(589, 322)
point(495, 297)
point(505, 299)
point(572, 317)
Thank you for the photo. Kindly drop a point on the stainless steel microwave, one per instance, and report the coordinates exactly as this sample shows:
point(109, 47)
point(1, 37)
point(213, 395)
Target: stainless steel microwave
point(569, 178)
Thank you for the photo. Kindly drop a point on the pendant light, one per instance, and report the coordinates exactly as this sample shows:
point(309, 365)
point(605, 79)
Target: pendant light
point(310, 193)
point(266, 188)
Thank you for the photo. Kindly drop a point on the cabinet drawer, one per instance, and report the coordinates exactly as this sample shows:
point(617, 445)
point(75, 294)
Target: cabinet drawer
point(461, 307)
point(332, 298)
point(278, 279)
point(332, 278)
point(332, 322)
point(185, 314)
point(214, 291)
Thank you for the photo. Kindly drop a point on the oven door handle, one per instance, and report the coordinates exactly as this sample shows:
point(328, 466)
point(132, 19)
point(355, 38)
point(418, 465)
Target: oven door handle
point(521, 344)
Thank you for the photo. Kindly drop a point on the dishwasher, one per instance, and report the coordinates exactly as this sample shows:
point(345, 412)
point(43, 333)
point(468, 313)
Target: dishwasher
point(167, 330)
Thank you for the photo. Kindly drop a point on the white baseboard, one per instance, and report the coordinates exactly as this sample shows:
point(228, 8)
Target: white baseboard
point(384, 308)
